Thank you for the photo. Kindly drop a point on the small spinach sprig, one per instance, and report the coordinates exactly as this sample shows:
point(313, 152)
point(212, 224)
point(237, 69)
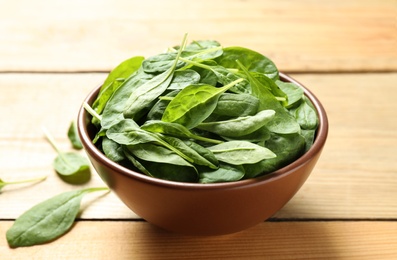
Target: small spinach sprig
point(202, 113)
point(5, 183)
point(71, 167)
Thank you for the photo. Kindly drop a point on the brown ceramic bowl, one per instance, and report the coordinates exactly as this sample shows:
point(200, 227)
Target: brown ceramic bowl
point(205, 209)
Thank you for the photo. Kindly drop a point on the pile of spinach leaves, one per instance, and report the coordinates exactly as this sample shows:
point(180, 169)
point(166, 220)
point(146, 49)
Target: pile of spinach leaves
point(202, 113)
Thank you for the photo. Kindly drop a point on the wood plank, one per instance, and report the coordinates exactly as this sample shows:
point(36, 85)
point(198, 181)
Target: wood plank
point(305, 35)
point(269, 240)
point(354, 178)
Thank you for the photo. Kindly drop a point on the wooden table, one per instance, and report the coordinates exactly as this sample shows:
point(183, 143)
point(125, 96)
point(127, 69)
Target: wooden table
point(52, 53)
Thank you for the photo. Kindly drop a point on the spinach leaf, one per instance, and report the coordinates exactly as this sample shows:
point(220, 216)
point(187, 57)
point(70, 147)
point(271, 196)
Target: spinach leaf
point(135, 162)
point(306, 116)
point(260, 135)
point(207, 77)
point(183, 79)
point(204, 152)
point(74, 137)
point(47, 220)
point(283, 122)
point(236, 105)
point(171, 172)
point(196, 158)
point(240, 152)
point(114, 80)
point(294, 92)
point(161, 63)
point(127, 132)
point(174, 129)
point(272, 87)
point(252, 60)
point(224, 76)
point(225, 173)
point(112, 150)
point(157, 110)
point(194, 104)
point(239, 126)
point(287, 148)
point(149, 91)
point(5, 183)
point(309, 136)
point(71, 167)
point(162, 163)
point(113, 111)
point(157, 153)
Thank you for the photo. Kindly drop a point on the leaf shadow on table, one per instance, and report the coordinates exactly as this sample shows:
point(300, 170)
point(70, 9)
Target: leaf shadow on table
point(268, 240)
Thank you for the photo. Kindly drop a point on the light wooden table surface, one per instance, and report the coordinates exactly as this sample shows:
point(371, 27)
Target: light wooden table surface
point(52, 53)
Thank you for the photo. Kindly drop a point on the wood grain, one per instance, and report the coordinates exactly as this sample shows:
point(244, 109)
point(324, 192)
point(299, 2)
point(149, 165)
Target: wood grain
point(306, 35)
point(268, 240)
point(356, 177)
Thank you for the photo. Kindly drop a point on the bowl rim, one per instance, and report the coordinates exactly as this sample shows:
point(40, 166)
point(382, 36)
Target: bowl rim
point(318, 144)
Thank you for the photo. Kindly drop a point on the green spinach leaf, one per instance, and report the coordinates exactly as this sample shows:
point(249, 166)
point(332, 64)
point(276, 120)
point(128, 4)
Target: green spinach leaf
point(74, 137)
point(240, 152)
point(252, 60)
point(114, 80)
point(283, 122)
point(183, 79)
point(70, 166)
point(239, 126)
point(145, 94)
point(193, 154)
point(113, 111)
point(225, 173)
point(174, 129)
point(112, 150)
point(47, 220)
point(194, 104)
point(287, 148)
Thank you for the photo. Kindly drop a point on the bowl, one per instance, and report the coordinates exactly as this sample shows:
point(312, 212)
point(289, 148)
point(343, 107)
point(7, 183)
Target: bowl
point(205, 209)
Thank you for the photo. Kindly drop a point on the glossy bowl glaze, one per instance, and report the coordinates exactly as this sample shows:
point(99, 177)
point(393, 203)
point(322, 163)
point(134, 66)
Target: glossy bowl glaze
point(204, 209)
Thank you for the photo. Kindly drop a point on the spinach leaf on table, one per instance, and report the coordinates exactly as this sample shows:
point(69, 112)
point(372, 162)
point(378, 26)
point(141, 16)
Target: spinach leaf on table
point(70, 166)
point(74, 137)
point(47, 220)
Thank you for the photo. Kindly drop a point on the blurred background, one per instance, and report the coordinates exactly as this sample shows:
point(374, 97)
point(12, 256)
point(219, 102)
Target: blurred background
point(300, 36)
